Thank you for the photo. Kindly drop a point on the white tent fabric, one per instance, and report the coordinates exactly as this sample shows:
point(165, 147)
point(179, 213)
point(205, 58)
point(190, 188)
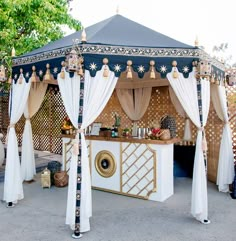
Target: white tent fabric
point(13, 188)
point(97, 92)
point(35, 99)
point(186, 91)
point(2, 154)
point(179, 108)
point(70, 92)
point(28, 169)
point(225, 172)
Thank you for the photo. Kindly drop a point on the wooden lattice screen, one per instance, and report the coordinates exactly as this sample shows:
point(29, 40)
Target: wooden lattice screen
point(46, 123)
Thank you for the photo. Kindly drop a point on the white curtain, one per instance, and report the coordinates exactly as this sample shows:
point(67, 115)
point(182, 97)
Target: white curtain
point(186, 91)
point(225, 173)
point(180, 110)
point(2, 153)
point(97, 91)
point(70, 92)
point(13, 188)
point(35, 99)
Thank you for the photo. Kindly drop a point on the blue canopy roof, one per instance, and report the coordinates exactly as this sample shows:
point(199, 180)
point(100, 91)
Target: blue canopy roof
point(119, 39)
point(117, 31)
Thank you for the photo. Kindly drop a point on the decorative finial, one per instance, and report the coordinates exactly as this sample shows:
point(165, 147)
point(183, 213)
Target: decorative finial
point(13, 52)
point(117, 9)
point(174, 63)
point(196, 43)
point(83, 36)
point(62, 73)
point(33, 76)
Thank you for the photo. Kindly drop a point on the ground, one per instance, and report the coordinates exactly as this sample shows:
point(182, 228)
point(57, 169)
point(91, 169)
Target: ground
point(41, 216)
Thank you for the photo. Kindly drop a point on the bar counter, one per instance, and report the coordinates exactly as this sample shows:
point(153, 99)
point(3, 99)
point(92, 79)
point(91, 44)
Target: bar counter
point(140, 168)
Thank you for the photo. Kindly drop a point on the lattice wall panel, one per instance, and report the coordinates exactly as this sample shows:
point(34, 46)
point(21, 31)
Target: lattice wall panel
point(213, 131)
point(4, 114)
point(47, 122)
point(231, 94)
point(138, 177)
point(159, 106)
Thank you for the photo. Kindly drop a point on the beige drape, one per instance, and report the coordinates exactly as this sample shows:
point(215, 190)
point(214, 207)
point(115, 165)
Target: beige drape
point(35, 99)
point(217, 103)
point(134, 101)
point(36, 96)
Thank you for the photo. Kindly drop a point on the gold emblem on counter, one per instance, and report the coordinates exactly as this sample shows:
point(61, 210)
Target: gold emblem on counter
point(105, 164)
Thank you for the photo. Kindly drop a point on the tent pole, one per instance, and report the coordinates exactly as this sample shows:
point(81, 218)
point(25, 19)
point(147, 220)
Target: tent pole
point(199, 93)
point(77, 233)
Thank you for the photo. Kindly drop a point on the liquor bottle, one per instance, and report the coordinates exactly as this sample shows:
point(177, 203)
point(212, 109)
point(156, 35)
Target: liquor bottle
point(116, 131)
point(113, 134)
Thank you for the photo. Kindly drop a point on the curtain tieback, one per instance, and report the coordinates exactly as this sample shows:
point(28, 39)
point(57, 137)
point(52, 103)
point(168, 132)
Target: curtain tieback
point(226, 122)
point(76, 142)
point(80, 131)
point(204, 142)
point(27, 119)
point(201, 128)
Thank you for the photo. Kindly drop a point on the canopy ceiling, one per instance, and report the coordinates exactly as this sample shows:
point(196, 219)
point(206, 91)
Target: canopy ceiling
point(118, 39)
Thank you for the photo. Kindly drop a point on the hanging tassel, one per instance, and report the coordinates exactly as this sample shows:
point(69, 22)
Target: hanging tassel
point(21, 77)
point(106, 69)
point(175, 73)
point(218, 82)
point(13, 52)
point(33, 76)
point(2, 73)
point(62, 73)
point(47, 76)
point(152, 72)
point(105, 72)
point(129, 71)
point(9, 80)
point(80, 71)
point(212, 79)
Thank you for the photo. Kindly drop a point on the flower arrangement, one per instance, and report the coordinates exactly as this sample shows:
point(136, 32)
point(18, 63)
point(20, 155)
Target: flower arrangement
point(153, 134)
point(67, 127)
point(126, 132)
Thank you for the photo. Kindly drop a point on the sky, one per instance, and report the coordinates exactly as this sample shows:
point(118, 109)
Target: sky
point(212, 22)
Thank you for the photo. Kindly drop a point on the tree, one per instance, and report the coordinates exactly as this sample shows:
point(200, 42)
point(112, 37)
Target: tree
point(220, 53)
point(30, 24)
